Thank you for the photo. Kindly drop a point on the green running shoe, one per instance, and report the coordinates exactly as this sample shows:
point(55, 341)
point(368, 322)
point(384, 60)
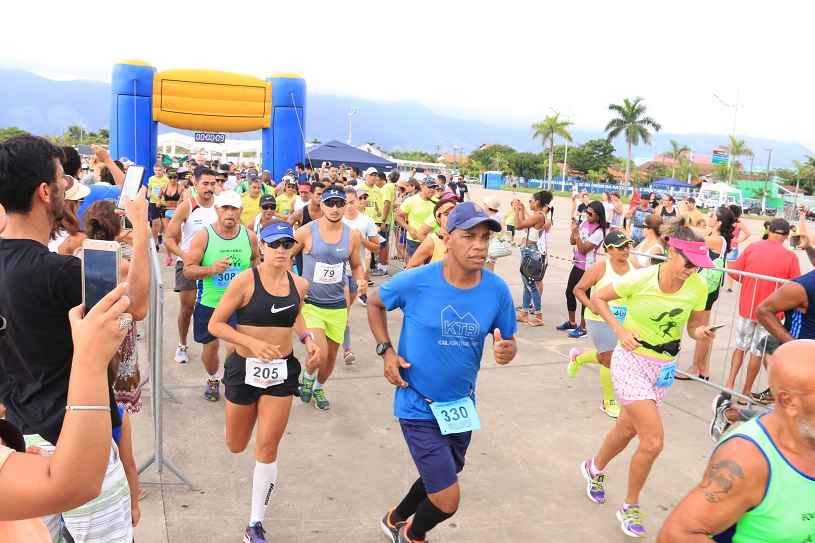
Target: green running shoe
point(320, 401)
point(306, 389)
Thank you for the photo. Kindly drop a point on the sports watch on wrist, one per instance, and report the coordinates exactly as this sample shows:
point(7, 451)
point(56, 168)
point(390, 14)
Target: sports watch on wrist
point(382, 348)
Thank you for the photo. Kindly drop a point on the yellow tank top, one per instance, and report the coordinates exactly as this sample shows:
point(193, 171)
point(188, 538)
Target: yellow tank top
point(439, 248)
point(618, 308)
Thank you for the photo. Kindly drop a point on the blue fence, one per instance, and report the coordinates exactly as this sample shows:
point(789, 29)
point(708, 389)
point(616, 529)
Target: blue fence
point(583, 185)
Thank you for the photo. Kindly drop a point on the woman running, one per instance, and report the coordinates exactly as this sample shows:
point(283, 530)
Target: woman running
point(660, 300)
point(433, 247)
point(170, 196)
point(537, 225)
point(717, 243)
point(260, 377)
point(650, 245)
point(586, 239)
point(617, 246)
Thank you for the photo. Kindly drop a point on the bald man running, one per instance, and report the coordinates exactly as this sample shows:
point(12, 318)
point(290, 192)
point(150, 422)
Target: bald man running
point(759, 486)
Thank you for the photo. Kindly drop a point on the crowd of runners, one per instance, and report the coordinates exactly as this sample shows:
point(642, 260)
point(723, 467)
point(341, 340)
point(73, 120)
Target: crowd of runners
point(260, 263)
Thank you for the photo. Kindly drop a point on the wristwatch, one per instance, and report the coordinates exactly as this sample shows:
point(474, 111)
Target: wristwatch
point(382, 348)
point(305, 337)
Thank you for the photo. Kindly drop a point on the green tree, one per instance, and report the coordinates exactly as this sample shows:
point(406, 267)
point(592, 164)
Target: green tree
point(10, 132)
point(500, 162)
point(737, 148)
point(414, 154)
point(632, 123)
point(486, 155)
point(677, 153)
point(546, 130)
point(597, 154)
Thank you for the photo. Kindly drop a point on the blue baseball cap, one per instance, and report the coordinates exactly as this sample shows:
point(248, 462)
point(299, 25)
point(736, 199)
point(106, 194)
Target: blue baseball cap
point(467, 215)
point(276, 231)
point(333, 193)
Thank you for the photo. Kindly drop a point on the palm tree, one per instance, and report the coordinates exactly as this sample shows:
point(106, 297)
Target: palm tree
point(632, 122)
point(677, 153)
point(737, 148)
point(547, 129)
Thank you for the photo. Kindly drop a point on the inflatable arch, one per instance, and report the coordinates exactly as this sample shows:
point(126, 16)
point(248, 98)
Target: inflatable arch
point(209, 101)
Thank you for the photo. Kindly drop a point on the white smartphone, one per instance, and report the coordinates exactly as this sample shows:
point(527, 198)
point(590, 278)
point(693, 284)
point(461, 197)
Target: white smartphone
point(715, 327)
point(131, 185)
point(100, 270)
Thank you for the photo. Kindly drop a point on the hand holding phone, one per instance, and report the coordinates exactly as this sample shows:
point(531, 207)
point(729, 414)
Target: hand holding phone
point(714, 327)
point(131, 185)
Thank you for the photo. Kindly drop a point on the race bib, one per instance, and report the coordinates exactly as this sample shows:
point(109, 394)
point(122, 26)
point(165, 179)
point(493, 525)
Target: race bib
point(266, 373)
point(619, 312)
point(328, 274)
point(456, 417)
point(222, 280)
point(666, 375)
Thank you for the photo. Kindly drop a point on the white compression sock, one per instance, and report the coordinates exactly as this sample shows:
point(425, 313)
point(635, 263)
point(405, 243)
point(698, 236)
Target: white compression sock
point(312, 375)
point(318, 385)
point(264, 484)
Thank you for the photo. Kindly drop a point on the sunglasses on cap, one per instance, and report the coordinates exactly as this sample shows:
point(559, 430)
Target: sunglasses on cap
point(620, 245)
point(269, 207)
point(286, 243)
point(335, 202)
point(363, 196)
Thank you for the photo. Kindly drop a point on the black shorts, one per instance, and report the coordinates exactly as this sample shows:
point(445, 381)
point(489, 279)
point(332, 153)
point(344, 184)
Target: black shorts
point(385, 232)
point(238, 392)
point(200, 323)
point(181, 282)
point(711, 299)
point(155, 211)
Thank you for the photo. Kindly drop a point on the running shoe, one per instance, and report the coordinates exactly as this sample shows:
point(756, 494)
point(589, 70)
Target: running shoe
point(306, 390)
point(765, 396)
point(577, 333)
point(181, 354)
point(719, 423)
point(379, 272)
point(574, 365)
point(320, 401)
point(254, 533)
point(403, 535)
point(213, 390)
point(566, 326)
point(390, 530)
point(611, 408)
point(595, 483)
point(349, 358)
point(363, 299)
point(630, 518)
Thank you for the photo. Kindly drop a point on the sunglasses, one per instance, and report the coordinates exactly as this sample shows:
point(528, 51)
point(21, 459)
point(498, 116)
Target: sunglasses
point(688, 264)
point(334, 202)
point(363, 196)
point(590, 213)
point(626, 243)
point(269, 207)
point(286, 243)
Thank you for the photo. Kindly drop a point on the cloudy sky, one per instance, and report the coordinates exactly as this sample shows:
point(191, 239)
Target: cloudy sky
point(507, 61)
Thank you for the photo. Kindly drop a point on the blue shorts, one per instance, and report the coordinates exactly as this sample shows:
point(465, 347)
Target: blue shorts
point(438, 458)
point(733, 254)
point(412, 246)
point(200, 322)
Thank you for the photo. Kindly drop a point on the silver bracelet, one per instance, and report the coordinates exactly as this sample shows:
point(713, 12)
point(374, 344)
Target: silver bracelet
point(105, 408)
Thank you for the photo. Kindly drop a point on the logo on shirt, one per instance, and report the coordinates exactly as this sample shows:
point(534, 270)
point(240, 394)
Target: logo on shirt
point(668, 326)
point(279, 309)
point(453, 324)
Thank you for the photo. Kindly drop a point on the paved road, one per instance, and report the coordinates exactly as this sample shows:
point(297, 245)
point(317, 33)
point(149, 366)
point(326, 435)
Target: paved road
point(341, 469)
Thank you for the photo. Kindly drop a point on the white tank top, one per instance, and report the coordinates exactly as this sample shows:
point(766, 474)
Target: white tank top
point(59, 237)
point(199, 218)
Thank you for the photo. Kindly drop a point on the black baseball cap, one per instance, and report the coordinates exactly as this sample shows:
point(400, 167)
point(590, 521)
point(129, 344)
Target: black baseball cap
point(267, 199)
point(616, 239)
point(779, 226)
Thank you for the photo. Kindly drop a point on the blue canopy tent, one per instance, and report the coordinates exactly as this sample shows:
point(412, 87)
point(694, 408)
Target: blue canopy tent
point(338, 153)
point(671, 185)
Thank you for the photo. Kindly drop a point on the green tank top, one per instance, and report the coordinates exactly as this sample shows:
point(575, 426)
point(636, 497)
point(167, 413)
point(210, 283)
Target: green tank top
point(617, 306)
point(787, 512)
point(239, 251)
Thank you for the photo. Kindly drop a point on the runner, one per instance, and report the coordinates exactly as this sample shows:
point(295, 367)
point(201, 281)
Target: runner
point(304, 195)
point(636, 218)
point(617, 247)
point(449, 308)
point(586, 239)
point(326, 244)
point(260, 377)
point(387, 186)
point(533, 254)
point(216, 256)
point(286, 196)
point(660, 300)
point(305, 215)
point(250, 200)
point(171, 195)
point(651, 244)
point(760, 481)
point(195, 213)
point(155, 211)
point(414, 211)
point(433, 248)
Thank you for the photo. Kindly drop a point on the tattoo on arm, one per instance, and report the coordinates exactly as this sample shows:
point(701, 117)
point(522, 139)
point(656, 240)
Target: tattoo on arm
point(719, 480)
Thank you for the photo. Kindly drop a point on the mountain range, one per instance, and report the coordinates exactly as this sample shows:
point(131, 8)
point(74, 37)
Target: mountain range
point(46, 106)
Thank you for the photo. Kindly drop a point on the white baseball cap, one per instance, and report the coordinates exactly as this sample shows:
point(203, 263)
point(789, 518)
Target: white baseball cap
point(229, 198)
point(371, 170)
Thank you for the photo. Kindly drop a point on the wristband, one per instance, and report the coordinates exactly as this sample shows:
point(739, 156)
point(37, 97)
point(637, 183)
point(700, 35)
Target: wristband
point(305, 336)
point(105, 408)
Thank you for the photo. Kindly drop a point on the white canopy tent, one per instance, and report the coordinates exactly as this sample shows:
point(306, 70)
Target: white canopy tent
point(168, 144)
point(712, 195)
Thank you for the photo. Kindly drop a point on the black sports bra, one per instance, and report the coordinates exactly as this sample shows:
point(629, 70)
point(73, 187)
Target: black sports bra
point(267, 310)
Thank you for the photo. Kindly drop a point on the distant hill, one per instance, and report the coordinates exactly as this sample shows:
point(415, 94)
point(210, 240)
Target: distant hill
point(45, 106)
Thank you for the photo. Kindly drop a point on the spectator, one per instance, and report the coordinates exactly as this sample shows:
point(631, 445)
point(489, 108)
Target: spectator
point(652, 243)
point(696, 219)
point(110, 180)
point(67, 235)
point(666, 208)
point(37, 289)
point(73, 475)
point(637, 217)
point(766, 257)
point(740, 234)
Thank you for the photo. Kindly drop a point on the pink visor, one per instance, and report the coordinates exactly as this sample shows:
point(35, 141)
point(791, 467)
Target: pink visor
point(695, 251)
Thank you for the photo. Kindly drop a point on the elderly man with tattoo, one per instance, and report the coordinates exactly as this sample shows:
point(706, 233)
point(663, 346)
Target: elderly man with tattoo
point(759, 486)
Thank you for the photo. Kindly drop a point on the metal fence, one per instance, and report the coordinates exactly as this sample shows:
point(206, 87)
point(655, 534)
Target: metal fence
point(155, 346)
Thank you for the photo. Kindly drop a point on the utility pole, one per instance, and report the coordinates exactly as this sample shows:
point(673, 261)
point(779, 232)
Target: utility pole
point(351, 113)
point(766, 179)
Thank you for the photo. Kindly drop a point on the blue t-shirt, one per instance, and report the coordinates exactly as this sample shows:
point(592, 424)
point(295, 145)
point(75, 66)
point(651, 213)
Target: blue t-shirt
point(99, 191)
point(443, 334)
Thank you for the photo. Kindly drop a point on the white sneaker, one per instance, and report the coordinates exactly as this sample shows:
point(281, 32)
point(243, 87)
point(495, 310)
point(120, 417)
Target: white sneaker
point(181, 354)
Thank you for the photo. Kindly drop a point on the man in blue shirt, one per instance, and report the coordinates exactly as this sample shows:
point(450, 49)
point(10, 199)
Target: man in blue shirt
point(449, 308)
